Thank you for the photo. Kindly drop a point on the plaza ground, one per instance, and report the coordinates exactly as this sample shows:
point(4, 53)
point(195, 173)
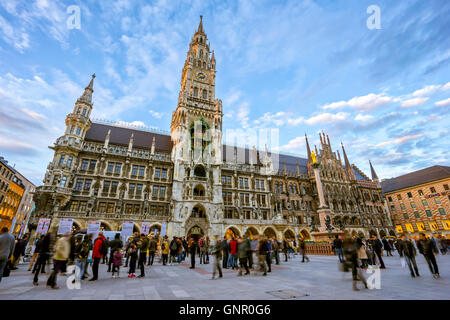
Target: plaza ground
point(318, 279)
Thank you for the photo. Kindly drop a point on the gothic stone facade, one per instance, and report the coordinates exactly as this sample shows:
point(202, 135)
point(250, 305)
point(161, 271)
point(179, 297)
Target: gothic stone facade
point(191, 181)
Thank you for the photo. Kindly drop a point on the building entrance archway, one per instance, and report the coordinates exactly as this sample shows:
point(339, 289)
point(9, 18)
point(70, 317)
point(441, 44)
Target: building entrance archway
point(195, 232)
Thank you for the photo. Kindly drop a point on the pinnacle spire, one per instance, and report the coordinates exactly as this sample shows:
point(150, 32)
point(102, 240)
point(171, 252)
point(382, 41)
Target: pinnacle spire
point(200, 25)
point(373, 173)
point(308, 150)
point(87, 94)
point(348, 167)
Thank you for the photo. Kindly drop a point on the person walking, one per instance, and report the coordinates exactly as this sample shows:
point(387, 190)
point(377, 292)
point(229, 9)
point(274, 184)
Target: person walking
point(81, 253)
point(114, 245)
point(269, 255)
point(44, 253)
point(285, 250)
point(351, 258)
point(337, 245)
point(97, 253)
point(37, 248)
point(19, 250)
point(428, 249)
point(62, 252)
point(225, 252)
point(152, 246)
point(303, 250)
point(408, 251)
point(173, 251)
point(185, 248)
point(164, 250)
point(180, 250)
point(243, 249)
point(7, 243)
point(252, 254)
point(361, 252)
point(276, 250)
point(216, 251)
point(377, 248)
point(262, 254)
point(201, 244)
point(143, 247)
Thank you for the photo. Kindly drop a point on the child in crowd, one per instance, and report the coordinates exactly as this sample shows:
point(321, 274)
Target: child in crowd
point(117, 262)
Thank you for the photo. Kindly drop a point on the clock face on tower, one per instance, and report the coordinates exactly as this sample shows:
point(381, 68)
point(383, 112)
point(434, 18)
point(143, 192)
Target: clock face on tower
point(201, 76)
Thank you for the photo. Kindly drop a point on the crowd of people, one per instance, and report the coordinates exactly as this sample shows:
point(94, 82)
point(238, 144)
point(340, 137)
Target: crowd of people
point(249, 254)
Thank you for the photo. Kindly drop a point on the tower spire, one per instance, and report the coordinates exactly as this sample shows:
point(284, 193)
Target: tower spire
point(308, 150)
point(348, 167)
point(200, 25)
point(373, 173)
point(87, 94)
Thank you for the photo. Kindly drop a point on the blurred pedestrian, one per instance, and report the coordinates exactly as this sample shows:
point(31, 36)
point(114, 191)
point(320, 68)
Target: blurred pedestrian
point(62, 252)
point(217, 258)
point(427, 247)
point(409, 254)
point(7, 243)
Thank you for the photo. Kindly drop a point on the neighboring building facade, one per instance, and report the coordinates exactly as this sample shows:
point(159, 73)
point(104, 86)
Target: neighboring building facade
point(10, 205)
point(420, 201)
point(25, 207)
point(192, 182)
point(6, 175)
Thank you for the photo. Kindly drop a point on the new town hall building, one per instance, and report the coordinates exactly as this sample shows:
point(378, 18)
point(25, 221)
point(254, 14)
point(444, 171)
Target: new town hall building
point(190, 182)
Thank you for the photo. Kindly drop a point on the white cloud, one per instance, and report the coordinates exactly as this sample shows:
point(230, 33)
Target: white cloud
point(15, 37)
point(399, 140)
point(157, 115)
point(296, 144)
point(443, 103)
point(414, 102)
point(33, 114)
point(327, 118)
point(431, 89)
point(363, 103)
point(363, 117)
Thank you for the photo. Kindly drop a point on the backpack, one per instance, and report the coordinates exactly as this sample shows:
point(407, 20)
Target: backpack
point(104, 248)
point(201, 242)
point(174, 246)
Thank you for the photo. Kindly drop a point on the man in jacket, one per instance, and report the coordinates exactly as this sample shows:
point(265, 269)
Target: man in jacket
point(387, 247)
point(225, 251)
point(81, 253)
point(337, 245)
point(37, 247)
point(143, 247)
point(269, 255)
point(262, 254)
point(7, 243)
point(62, 252)
point(97, 254)
point(114, 245)
point(192, 249)
point(377, 248)
point(152, 244)
point(173, 251)
point(408, 251)
point(276, 250)
point(44, 253)
point(164, 250)
point(234, 253)
point(427, 247)
point(243, 249)
point(19, 250)
point(303, 249)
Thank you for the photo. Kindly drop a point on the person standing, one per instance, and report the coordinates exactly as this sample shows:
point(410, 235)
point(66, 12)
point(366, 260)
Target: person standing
point(152, 246)
point(243, 249)
point(217, 256)
point(97, 254)
point(192, 249)
point(337, 245)
point(225, 250)
point(427, 247)
point(117, 262)
point(362, 252)
point(132, 252)
point(351, 258)
point(82, 248)
point(285, 250)
point(143, 247)
point(407, 250)
point(62, 252)
point(252, 254)
point(7, 243)
point(180, 250)
point(234, 253)
point(201, 244)
point(173, 251)
point(276, 250)
point(303, 249)
point(377, 249)
point(105, 250)
point(114, 245)
point(44, 253)
point(164, 250)
point(269, 255)
point(185, 248)
point(387, 247)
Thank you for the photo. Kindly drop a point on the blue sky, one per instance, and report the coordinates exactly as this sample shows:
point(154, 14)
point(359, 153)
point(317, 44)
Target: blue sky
point(299, 66)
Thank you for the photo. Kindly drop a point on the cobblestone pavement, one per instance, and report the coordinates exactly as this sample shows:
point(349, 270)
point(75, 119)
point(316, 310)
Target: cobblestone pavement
point(318, 279)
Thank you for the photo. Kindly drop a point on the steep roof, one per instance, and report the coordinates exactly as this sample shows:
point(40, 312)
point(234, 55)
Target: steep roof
point(416, 178)
point(121, 136)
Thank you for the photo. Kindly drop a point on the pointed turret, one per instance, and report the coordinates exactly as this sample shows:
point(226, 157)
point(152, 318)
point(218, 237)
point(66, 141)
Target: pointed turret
point(200, 26)
point(308, 150)
point(87, 94)
point(373, 173)
point(348, 167)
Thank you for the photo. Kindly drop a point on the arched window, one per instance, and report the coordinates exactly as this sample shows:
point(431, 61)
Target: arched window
point(205, 94)
point(196, 92)
point(199, 171)
point(198, 212)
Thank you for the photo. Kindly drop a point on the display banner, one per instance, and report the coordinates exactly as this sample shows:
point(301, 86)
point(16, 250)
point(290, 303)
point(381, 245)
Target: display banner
point(43, 226)
point(127, 229)
point(145, 227)
point(65, 226)
point(163, 229)
point(93, 228)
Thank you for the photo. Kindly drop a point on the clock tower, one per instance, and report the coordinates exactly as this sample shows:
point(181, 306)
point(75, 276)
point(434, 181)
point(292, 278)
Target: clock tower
point(196, 132)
